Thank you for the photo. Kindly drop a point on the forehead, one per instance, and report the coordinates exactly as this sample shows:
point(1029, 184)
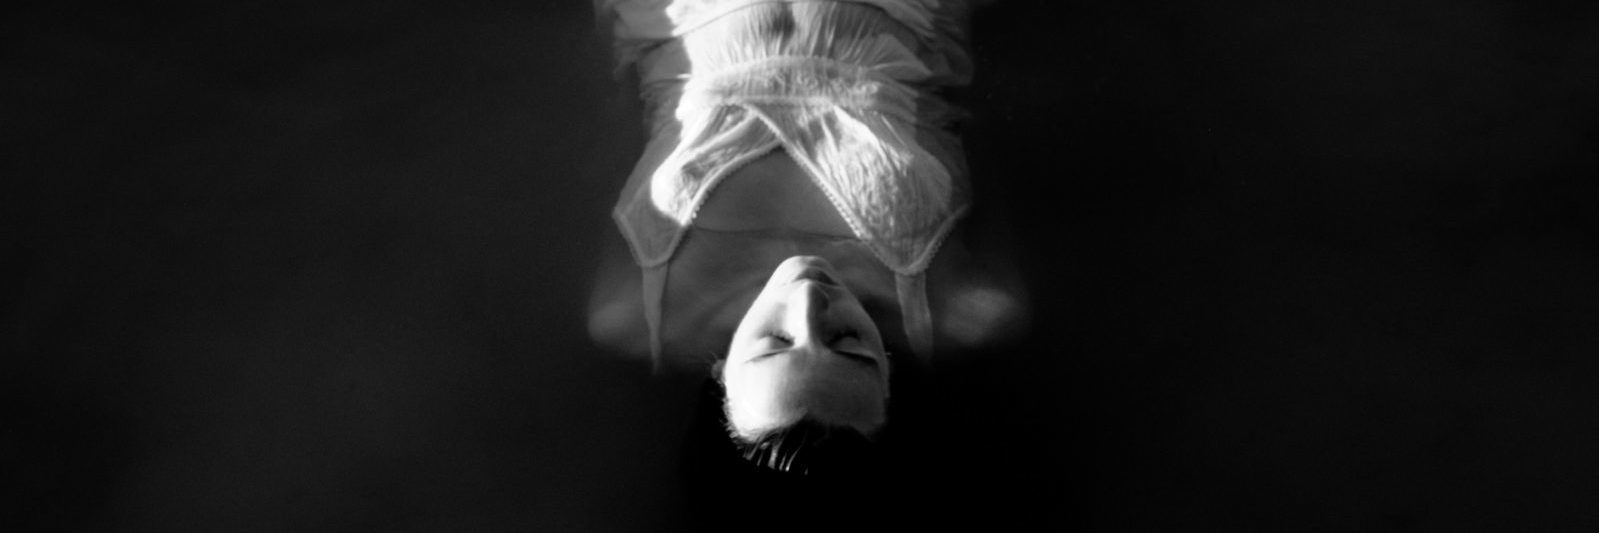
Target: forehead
point(837, 392)
point(792, 374)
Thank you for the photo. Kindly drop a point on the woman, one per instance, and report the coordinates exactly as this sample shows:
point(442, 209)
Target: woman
point(794, 207)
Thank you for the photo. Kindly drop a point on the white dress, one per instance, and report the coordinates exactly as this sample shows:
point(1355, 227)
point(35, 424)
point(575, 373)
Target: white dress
point(847, 89)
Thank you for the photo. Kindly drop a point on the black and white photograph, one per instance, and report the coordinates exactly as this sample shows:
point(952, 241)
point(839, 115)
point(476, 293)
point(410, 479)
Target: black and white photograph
point(799, 265)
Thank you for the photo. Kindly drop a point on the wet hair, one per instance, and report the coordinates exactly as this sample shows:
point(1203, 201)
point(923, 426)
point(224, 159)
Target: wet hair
point(807, 447)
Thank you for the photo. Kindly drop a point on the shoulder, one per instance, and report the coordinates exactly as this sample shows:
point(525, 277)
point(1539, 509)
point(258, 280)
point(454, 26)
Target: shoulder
point(616, 308)
point(976, 292)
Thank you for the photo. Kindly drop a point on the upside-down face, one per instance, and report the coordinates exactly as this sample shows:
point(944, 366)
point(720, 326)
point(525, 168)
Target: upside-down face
point(806, 347)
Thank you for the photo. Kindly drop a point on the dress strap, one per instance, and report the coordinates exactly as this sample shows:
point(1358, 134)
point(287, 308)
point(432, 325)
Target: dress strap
point(918, 318)
point(654, 285)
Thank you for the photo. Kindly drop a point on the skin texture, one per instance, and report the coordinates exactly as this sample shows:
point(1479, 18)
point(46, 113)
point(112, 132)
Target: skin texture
point(806, 347)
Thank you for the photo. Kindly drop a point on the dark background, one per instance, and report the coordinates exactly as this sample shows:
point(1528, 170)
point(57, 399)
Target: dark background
point(322, 266)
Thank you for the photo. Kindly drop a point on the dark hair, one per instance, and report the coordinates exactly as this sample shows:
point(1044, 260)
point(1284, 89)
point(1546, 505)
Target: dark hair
point(808, 464)
point(806, 447)
point(809, 447)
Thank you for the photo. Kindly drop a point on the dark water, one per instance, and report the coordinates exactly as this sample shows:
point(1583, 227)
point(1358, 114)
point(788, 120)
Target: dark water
point(322, 266)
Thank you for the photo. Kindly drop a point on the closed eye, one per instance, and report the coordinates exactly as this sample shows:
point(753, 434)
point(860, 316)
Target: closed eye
point(858, 357)
point(772, 344)
point(847, 344)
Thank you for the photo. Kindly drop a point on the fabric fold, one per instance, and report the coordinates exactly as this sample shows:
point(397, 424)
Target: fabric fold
point(848, 93)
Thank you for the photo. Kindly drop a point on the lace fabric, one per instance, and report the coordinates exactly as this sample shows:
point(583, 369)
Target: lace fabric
point(846, 88)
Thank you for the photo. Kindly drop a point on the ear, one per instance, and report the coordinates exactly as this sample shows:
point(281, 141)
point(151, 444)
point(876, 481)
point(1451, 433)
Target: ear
point(716, 371)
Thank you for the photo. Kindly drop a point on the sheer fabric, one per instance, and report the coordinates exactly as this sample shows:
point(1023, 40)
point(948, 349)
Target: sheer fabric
point(847, 89)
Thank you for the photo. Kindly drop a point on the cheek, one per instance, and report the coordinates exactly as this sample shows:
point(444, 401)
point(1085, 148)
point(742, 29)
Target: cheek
point(755, 399)
point(751, 316)
point(751, 390)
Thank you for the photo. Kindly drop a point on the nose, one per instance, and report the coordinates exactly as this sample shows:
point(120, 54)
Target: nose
point(807, 313)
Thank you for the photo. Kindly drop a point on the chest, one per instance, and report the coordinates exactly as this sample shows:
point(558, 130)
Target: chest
point(769, 193)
